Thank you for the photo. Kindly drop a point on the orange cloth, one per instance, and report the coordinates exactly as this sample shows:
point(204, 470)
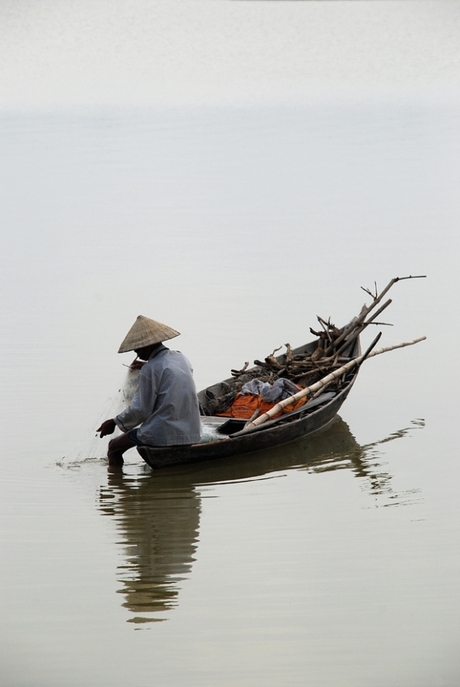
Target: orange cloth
point(245, 405)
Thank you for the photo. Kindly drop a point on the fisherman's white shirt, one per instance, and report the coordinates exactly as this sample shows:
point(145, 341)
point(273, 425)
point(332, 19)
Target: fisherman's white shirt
point(165, 404)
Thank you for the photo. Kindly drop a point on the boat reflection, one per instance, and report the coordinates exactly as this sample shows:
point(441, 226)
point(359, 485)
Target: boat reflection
point(158, 512)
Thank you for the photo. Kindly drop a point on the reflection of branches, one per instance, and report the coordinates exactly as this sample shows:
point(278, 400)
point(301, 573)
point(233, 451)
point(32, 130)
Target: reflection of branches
point(366, 463)
point(419, 423)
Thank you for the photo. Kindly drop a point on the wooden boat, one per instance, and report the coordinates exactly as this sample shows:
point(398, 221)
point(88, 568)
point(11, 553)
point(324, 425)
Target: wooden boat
point(335, 355)
point(235, 440)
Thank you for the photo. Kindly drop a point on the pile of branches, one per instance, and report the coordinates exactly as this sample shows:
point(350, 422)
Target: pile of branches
point(333, 349)
point(303, 368)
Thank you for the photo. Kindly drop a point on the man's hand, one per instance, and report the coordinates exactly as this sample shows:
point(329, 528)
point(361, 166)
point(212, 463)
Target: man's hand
point(107, 427)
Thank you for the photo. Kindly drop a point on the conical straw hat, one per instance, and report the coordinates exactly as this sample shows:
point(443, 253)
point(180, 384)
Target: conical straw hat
point(146, 332)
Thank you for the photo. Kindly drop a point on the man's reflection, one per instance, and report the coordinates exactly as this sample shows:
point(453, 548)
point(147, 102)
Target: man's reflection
point(158, 512)
point(158, 518)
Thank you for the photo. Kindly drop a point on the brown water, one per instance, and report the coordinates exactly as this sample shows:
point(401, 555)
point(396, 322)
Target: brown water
point(235, 208)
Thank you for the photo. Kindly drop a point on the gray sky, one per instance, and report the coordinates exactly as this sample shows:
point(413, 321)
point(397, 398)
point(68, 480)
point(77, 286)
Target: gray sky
point(144, 52)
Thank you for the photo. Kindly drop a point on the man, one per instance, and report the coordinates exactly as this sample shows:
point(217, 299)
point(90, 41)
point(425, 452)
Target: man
point(164, 410)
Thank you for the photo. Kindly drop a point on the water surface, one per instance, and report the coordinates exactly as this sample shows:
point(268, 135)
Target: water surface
point(235, 210)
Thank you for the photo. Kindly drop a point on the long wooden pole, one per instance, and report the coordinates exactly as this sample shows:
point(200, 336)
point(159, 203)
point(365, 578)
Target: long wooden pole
point(323, 382)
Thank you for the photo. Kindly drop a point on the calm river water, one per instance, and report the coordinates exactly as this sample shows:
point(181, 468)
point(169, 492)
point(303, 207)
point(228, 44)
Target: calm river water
point(236, 217)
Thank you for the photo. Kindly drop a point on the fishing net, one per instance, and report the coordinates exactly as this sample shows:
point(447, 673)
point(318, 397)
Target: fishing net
point(92, 447)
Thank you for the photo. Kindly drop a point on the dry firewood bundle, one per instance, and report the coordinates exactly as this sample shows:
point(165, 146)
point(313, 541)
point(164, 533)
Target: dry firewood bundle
point(301, 367)
point(331, 349)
